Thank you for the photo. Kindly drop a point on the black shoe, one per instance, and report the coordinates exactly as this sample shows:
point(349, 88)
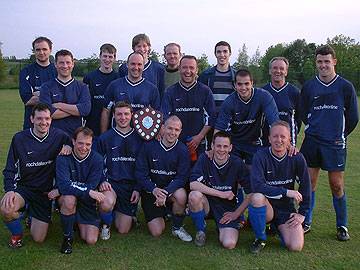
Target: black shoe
point(257, 246)
point(306, 228)
point(342, 233)
point(66, 246)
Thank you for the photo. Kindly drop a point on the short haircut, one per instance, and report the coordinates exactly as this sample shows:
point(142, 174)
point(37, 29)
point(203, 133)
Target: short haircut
point(133, 54)
point(325, 50)
point(221, 134)
point(40, 107)
point(222, 43)
point(243, 73)
point(63, 52)
point(85, 131)
point(281, 58)
point(280, 123)
point(138, 38)
point(41, 39)
point(172, 44)
point(123, 104)
point(173, 118)
point(109, 48)
point(188, 57)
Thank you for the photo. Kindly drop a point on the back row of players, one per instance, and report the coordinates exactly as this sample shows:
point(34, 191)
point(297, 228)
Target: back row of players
point(328, 108)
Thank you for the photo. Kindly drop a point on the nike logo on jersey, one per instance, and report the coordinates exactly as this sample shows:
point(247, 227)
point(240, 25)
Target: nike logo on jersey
point(339, 165)
point(178, 99)
point(210, 176)
point(55, 95)
point(114, 147)
point(316, 97)
point(30, 152)
point(37, 77)
point(237, 113)
point(269, 171)
point(154, 160)
point(122, 93)
point(97, 84)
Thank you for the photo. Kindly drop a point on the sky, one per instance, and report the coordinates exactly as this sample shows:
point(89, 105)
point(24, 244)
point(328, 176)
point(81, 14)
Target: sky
point(197, 25)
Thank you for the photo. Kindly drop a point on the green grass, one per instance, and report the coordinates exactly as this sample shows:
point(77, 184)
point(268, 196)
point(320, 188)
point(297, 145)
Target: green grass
point(139, 250)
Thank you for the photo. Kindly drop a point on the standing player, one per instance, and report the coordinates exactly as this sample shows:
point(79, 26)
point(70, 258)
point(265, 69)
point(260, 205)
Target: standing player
point(193, 103)
point(330, 114)
point(98, 80)
point(242, 115)
point(286, 96)
point(133, 88)
point(69, 99)
point(153, 71)
point(162, 169)
point(77, 177)
point(119, 147)
point(172, 54)
point(214, 184)
point(34, 75)
point(273, 177)
point(29, 174)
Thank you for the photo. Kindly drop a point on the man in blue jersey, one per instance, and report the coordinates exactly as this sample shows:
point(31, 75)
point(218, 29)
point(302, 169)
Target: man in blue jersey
point(153, 71)
point(172, 55)
point(273, 177)
point(214, 184)
point(133, 88)
point(286, 96)
point(119, 147)
point(77, 177)
point(69, 99)
point(98, 80)
point(162, 169)
point(193, 103)
point(34, 75)
point(330, 114)
point(242, 115)
point(29, 174)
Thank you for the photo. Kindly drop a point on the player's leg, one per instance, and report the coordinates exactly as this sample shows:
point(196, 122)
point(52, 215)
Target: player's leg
point(89, 233)
point(178, 200)
point(199, 208)
point(67, 205)
point(314, 176)
point(156, 226)
point(228, 237)
point(106, 215)
point(38, 229)
point(293, 236)
point(123, 223)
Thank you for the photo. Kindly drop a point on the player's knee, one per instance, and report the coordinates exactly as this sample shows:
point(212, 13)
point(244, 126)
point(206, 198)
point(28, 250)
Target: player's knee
point(180, 196)
point(156, 231)
point(295, 246)
point(258, 199)
point(195, 198)
point(39, 238)
point(91, 239)
point(123, 230)
point(68, 205)
point(108, 204)
point(229, 243)
point(337, 190)
point(8, 213)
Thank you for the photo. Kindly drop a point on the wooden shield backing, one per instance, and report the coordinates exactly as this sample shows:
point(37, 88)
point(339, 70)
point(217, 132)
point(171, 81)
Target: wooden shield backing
point(147, 122)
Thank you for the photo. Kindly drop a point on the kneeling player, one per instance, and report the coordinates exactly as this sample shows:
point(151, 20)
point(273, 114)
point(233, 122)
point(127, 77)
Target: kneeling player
point(77, 177)
point(29, 174)
point(214, 184)
point(273, 178)
point(119, 147)
point(162, 168)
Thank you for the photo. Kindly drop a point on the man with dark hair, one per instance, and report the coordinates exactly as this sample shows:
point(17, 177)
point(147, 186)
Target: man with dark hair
point(98, 80)
point(69, 99)
point(34, 75)
point(29, 174)
point(172, 55)
point(330, 114)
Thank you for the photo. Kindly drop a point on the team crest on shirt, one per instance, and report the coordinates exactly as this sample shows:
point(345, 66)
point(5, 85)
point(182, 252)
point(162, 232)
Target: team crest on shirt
point(147, 122)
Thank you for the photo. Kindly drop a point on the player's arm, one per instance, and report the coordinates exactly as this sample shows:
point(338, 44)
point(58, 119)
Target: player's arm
point(155, 99)
point(304, 184)
point(230, 216)
point(107, 105)
point(297, 115)
point(166, 105)
point(45, 97)
point(351, 110)
point(28, 95)
point(11, 171)
point(142, 171)
point(304, 104)
point(123, 70)
point(161, 83)
point(270, 109)
point(225, 119)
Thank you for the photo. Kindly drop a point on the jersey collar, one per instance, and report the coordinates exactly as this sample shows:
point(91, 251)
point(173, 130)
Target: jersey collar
point(124, 135)
point(65, 83)
point(134, 84)
point(329, 83)
point(275, 157)
point(168, 148)
point(278, 89)
point(37, 138)
point(189, 87)
point(80, 160)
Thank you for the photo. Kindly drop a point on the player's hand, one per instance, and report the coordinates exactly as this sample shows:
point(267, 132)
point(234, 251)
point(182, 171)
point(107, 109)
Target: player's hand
point(65, 150)
point(296, 195)
point(195, 141)
point(8, 200)
point(160, 193)
point(105, 186)
point(135, 196)
point(57, 105)
point(292, 150)
point(98, 196)
point(53, 194)
point(160, 202)
point(228, 217)
point(295, 220)
point(36, 93)
point(210, 154)
point(228, 195)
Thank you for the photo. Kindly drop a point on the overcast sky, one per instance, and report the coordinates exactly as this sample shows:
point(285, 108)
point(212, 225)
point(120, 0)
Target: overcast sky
point(83, 25)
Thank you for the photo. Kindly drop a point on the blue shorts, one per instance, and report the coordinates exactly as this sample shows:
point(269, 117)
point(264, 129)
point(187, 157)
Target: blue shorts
point(281, 214)
point(246, 151)
point(123, 192)
point(327, 157)
point(38, 203)
point(151, 211)
point(86, 212)
point(218, 208)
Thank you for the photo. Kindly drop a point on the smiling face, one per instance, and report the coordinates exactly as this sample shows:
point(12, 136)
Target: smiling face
point(278, 72)
point(64, 66)
point(172, 56)
point(171, 131)
point(106, 61)
point(222, 148)
point(188, 71)
point(222, 54)
point(41, 121)
point(82, 145)
point(135, 67)
point(143, 48)
point(325, 65)
point(279, 139)
point(122, 116)
point(244, 86)
point(42, 53)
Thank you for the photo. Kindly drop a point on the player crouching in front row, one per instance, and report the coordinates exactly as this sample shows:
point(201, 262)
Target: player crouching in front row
point(273, 177)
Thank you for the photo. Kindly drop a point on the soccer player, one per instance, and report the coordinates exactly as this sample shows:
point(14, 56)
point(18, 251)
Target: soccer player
point(242, 115)
point(172, 54)
point(273, 177)
point(133, 88)
point(162, 169)
point(29, 173)
point(77, 177)
point(153, 71)
point(34, 75)
point(119, 147)
point(330, 114)
point(69, 99)
point(98, 80)
point(193, 103)
point(286, 96)
point(214, 184)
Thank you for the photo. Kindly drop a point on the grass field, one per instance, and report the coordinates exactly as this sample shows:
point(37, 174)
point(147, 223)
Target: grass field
point(139, 250)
